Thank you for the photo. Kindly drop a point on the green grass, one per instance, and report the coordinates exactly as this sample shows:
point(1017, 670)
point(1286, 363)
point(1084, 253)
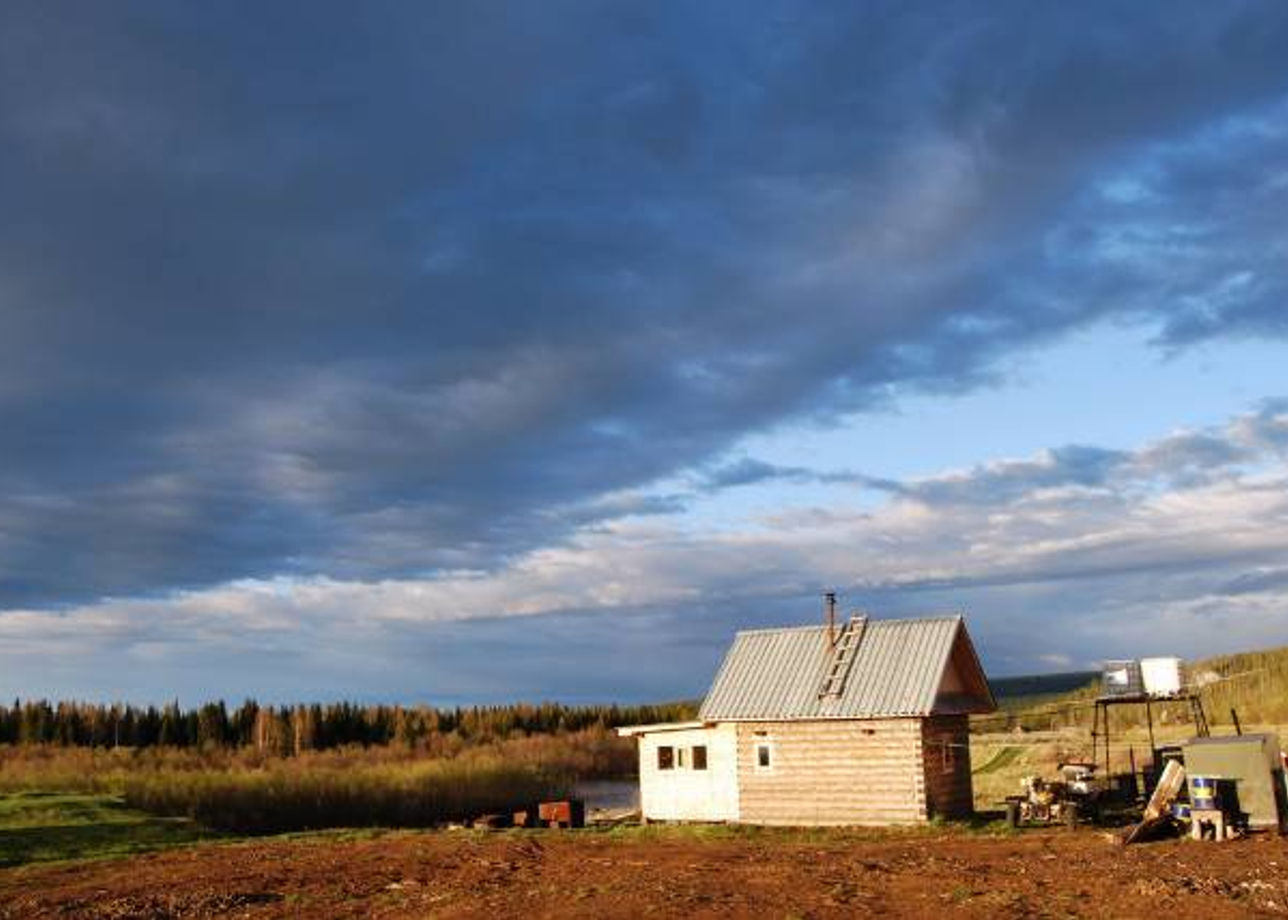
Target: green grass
point(38, 827)
point(285, 797)
point(1004, 757)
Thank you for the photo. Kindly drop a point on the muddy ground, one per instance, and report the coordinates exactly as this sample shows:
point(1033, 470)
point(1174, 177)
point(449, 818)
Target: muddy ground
point(669, 872)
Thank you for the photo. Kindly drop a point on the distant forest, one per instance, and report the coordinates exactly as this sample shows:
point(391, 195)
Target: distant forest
point(1033, 685)
point(288, 730)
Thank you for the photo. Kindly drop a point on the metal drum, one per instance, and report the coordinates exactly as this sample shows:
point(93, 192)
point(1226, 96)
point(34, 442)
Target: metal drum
point(1203, 793)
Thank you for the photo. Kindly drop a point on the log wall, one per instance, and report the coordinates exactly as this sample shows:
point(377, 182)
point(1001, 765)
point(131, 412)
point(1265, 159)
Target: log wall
point(865, 772)
point(946, 746)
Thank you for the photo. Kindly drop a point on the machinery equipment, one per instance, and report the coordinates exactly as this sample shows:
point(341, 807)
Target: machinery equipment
point(1075, 794)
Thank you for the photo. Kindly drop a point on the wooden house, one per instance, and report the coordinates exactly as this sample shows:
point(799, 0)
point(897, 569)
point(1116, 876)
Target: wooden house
point(865, 724)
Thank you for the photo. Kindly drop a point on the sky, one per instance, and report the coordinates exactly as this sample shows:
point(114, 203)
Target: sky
point(464, 353)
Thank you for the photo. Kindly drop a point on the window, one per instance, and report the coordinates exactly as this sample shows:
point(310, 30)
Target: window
point(665, 757)
point(950, 757)
point(700, 757)
point(679, 757)
point(764, 755)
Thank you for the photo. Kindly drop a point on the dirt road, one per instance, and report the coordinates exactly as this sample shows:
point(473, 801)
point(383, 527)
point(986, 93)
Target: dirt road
point(669, 872)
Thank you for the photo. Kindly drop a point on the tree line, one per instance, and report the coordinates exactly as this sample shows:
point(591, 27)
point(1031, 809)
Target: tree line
point(288, 730)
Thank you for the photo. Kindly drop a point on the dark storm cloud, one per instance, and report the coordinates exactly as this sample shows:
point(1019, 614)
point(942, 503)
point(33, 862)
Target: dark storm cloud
point(374, 290)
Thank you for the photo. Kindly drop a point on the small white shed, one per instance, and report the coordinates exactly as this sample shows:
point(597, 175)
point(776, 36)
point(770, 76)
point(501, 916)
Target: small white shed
point(682, 784)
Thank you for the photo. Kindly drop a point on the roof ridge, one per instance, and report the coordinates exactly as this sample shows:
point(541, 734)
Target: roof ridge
point(775, 629)
point(872, 621)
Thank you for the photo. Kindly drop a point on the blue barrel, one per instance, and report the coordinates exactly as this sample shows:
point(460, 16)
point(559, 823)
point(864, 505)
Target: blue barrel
point(1181, 811)
point(1203, 792)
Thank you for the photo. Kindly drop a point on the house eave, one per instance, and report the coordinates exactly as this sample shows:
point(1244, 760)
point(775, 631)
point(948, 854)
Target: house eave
point(631, 731)
point(877, 717)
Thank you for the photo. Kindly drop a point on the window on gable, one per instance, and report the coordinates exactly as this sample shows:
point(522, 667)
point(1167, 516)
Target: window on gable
point(665, 757)
point(764, 755)
point(699, 757)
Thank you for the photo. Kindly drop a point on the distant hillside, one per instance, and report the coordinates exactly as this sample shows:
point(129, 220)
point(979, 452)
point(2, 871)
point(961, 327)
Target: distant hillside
point(1253, 684)
point(1009, 689)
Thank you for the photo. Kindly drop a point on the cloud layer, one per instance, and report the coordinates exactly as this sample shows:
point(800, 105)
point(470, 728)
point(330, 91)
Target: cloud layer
point(438, 296)
point(1068, 556)
point(376, 293)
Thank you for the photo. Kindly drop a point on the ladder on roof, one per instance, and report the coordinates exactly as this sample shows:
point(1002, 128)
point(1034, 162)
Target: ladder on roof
point(847, 644)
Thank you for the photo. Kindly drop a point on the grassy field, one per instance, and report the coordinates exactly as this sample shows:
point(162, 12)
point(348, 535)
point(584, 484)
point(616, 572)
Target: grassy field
point(245, 792)
point(38, 827)
point(286, 797)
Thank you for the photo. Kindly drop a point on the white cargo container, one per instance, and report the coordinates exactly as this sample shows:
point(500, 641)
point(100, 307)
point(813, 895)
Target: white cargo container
point(1161, 676)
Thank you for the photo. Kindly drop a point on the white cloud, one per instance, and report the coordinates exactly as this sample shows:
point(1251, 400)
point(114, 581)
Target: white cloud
point(1141, 560)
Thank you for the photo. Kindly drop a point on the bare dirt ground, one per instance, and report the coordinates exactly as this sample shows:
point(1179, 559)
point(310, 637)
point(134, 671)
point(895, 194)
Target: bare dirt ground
point(669, 872)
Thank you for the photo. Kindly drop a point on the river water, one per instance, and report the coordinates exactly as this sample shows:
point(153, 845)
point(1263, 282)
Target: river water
point(614, 794)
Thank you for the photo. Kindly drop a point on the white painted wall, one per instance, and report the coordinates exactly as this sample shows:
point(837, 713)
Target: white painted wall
point(686, 794)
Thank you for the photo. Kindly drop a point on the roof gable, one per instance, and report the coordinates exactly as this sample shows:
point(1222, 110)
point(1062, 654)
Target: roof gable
point(963, 687)
point(898, 669)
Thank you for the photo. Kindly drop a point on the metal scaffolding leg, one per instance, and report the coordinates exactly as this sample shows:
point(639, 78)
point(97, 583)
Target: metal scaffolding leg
point(1199, 717)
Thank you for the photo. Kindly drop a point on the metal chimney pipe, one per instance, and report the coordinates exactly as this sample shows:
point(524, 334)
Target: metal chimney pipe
point(829, 609)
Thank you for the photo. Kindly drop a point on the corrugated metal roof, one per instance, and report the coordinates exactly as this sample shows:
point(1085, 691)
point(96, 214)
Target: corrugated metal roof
point(777, 673)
